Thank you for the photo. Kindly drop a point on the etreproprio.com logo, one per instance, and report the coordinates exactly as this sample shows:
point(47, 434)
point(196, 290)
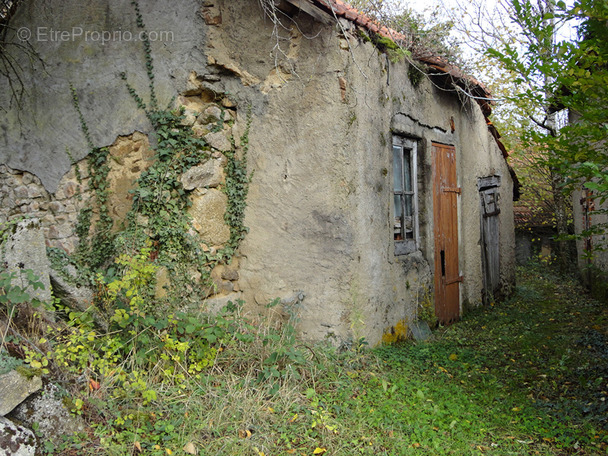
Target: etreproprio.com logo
point(48, 34)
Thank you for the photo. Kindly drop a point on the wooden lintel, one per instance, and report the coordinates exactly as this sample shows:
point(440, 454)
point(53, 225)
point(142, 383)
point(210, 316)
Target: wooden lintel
point(312, 10)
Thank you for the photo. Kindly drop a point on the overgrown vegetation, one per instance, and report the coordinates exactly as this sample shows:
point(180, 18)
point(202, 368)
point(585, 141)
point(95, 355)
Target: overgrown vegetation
point(521, 377)
point(424, 36)
point(96, 250)
point(551, 71)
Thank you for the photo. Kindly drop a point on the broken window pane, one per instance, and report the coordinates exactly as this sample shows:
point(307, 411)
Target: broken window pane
point(407, 171)
point(408, 205)
point(398, 211)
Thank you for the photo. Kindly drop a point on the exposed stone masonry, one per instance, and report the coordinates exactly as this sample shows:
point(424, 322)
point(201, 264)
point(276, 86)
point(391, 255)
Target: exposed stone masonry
point(209, 115)
point(22, 194)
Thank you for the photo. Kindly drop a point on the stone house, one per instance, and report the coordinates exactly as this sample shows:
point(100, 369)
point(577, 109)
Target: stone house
point(380, 189)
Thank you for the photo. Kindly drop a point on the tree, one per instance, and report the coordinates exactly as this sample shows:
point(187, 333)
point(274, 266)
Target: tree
point(557, 74)
point(539, 72)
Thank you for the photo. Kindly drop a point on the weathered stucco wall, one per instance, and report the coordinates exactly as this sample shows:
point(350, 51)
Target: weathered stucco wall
point(88, 45)
point(323, 185)
point(324, 108)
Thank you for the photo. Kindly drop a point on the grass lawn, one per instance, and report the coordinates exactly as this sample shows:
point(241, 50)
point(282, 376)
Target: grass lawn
point(526, 376)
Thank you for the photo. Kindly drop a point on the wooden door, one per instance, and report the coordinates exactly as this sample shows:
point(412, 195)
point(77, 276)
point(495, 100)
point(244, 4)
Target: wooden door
point(490, 236)
point(445, 216)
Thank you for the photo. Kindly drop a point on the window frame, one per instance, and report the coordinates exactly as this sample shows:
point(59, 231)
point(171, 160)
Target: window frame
point(408, 151)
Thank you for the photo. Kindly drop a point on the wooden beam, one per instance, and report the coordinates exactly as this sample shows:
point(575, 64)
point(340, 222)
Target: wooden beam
point(312, 10)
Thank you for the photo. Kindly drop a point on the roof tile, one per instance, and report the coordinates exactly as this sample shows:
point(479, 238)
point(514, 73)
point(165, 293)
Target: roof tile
point(351, 14)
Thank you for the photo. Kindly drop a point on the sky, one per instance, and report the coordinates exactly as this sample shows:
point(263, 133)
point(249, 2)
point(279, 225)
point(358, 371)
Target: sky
point(425, 5)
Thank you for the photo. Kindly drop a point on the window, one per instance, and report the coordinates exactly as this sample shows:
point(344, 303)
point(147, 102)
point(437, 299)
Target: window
point(405, 195)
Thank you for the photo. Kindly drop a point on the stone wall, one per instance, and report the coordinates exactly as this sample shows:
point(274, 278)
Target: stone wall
point(24, 195)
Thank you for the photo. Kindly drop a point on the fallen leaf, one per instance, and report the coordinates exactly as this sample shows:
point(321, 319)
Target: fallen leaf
point(319, 450)
point(93, 385)
point(244, 433)
point(137, 447)
point(190, 448)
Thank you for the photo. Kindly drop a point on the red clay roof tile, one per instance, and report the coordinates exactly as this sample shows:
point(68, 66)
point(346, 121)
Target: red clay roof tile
point(351, 15)
point(362, 20)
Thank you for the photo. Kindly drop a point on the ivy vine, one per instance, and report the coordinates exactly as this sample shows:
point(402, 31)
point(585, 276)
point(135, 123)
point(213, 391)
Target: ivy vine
point(94, 252)
point(159, 220)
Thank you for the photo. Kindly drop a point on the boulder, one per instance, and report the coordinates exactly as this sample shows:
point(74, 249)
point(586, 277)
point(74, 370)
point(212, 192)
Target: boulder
point(215, 304)
point(211, 115)
point(77, 297)
point(15, 388)
point(24, 249)
point(16, 440)
point(218, 141)
point(47, 409)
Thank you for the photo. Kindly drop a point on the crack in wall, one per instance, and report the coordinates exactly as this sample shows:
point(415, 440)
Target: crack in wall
point(423, 125)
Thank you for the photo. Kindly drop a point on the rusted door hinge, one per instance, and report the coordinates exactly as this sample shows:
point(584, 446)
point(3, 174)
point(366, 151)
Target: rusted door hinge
point(454, 280)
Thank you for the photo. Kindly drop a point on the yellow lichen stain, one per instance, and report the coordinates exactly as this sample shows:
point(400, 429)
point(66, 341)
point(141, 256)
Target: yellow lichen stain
point(395, 333)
